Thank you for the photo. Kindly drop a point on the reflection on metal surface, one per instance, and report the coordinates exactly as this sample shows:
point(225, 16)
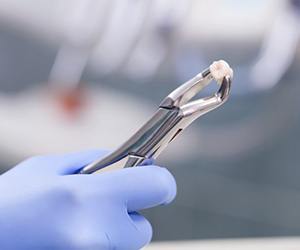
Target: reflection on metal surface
point(175, 113)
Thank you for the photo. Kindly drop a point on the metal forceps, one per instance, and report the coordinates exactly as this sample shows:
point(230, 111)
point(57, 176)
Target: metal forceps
point(174, 114)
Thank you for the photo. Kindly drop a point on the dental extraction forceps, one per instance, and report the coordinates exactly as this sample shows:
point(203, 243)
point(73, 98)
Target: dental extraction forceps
point(175, 113)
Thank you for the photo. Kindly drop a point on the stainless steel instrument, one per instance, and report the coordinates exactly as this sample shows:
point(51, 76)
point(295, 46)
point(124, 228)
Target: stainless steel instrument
point(175, 113)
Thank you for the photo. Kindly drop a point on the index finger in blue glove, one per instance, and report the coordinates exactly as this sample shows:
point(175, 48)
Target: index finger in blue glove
point(138, 187)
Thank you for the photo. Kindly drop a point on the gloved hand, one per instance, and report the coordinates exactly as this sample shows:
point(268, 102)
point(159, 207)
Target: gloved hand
point(43, 205)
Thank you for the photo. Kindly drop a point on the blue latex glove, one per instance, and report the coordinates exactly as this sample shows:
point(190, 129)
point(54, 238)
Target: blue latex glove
point(43, 205)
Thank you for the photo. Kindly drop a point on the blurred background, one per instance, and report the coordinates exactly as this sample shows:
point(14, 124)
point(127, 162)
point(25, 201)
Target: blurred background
point(84, 74)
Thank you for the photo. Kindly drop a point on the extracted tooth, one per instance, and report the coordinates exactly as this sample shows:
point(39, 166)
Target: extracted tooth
point(220, 69)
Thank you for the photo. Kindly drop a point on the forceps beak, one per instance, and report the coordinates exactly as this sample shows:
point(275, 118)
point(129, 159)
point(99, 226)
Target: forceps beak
point(175, 113)
point(219, 71)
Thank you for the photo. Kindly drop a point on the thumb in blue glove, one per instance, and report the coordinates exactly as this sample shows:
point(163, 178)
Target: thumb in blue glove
point(43, 205)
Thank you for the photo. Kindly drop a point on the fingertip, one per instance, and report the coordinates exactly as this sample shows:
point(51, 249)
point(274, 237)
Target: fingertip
point(170, 185)
point(140, 187)
point(165, 181)
point(147, 162)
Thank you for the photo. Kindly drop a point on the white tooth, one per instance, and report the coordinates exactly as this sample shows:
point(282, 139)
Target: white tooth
point(220, 69)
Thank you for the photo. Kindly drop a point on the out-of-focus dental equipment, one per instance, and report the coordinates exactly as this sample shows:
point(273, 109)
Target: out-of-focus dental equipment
point(175, 113)
point(278, 50)
point(83, 26)
point(167, 43)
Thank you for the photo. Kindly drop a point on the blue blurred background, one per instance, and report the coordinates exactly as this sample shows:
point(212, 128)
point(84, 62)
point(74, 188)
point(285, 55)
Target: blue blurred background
point(86, 74)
